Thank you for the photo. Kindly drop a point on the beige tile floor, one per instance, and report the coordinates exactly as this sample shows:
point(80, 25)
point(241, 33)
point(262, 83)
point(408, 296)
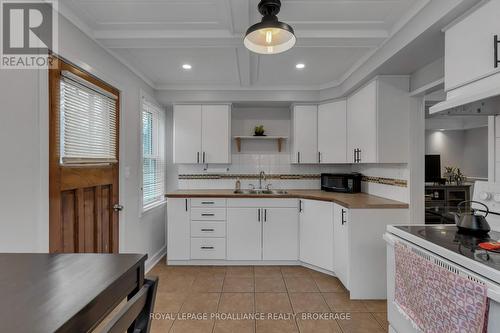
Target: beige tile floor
point(278, 290)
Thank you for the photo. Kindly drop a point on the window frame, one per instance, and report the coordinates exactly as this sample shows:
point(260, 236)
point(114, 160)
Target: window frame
point(158, 148)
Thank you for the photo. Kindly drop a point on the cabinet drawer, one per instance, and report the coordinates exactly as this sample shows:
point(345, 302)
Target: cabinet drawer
point(208, 202)
point(208, 248)
point(263, 203)
point(208, 229)
point(208, 214)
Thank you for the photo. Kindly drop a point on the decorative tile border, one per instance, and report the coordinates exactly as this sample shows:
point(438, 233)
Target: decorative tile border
point(376, 180)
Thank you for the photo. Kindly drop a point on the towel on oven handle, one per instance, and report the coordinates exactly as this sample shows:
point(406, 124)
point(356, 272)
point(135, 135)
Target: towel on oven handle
point(436, 299)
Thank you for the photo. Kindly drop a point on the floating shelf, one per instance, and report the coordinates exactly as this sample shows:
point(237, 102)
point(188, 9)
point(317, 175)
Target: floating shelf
point(279, 139)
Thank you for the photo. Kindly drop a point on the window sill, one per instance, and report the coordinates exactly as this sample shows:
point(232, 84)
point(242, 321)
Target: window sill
point(153, 206)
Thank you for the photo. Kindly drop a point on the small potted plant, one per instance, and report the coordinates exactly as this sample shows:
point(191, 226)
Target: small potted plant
point(259, 130)
point(449, 174)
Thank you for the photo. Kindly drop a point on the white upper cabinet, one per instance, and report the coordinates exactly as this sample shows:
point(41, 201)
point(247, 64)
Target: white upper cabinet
point(332, 132)
point(202, 134)
point(469, 49)
point(187, 134)
point(378, 121)
point(305, 134)
point(215, 132)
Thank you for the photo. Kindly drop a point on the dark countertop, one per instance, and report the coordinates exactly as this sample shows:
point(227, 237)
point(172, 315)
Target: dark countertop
point(62, 292)
point(348, 200)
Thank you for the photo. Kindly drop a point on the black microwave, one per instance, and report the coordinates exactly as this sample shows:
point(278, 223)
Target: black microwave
point(341, 182)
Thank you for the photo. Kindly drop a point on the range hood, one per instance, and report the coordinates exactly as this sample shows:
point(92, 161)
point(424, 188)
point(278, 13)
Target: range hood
point(481, 97)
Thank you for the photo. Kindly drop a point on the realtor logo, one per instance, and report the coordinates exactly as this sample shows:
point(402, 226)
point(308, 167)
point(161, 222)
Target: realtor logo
point(28, 33)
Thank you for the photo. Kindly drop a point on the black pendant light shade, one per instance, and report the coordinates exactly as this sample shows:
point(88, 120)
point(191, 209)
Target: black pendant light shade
point(269, 36)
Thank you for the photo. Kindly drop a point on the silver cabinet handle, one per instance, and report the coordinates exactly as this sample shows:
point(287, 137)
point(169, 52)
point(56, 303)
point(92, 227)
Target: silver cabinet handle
point(207, 230)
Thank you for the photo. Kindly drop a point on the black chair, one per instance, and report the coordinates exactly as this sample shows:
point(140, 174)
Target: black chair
point(134, 317)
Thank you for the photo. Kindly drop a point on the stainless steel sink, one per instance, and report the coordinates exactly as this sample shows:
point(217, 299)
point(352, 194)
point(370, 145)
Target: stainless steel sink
point(261, 191)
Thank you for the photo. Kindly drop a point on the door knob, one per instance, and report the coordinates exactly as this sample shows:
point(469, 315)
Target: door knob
point(117, 207)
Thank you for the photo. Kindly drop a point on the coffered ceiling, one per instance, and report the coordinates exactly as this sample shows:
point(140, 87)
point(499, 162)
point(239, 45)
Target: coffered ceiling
point(156, 37)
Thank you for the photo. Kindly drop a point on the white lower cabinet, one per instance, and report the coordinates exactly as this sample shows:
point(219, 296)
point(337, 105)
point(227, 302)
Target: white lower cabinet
point(178, 229)
point(208, 248)
point(244, 234)
point(256, 233)
point(341, 243)
point(316, 233)
point(280, 234)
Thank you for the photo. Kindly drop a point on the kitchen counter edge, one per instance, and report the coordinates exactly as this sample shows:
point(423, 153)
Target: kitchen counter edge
point(348, 200)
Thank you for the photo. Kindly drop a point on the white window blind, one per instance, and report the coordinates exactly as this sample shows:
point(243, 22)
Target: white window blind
point(153, 154)
point(88, 122)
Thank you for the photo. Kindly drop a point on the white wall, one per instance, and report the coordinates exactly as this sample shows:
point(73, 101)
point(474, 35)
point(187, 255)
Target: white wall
point(466, 149)
point(24, 167)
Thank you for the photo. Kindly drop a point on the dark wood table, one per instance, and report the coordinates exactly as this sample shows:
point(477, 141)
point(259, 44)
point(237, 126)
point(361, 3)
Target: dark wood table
point(64, 292)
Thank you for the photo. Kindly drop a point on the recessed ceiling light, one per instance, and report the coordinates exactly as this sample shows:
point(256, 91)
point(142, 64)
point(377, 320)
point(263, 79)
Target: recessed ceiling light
point(300, 66)
point(187, 66)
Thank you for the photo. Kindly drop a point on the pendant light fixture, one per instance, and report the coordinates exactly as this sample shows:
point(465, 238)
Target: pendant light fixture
point(269, 36)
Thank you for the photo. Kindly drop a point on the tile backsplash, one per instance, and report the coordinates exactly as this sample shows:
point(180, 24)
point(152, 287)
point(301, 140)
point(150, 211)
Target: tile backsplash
point(385, 180)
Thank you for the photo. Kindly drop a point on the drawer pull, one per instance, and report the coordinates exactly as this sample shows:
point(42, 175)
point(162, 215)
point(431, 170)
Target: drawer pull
point(207, 247)
point(207, 229)
point(207, 202)
point(207, 214)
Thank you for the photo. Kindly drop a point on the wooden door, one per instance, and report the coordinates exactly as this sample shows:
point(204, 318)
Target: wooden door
point(81, 197)
point(332, 132)
point(216, 132)
point(244, 232)
point(280, 238)
point(187, 134)
point(305, 134)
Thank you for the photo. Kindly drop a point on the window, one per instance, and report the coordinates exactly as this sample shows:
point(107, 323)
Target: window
point(153, 154)
point(88, 131)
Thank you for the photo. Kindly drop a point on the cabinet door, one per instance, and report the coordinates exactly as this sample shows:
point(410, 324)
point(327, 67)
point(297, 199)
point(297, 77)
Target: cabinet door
point(332, 132)
point(305, 134)
point(362, 124)
point(178, 229)
point(471, 58)
point(244, 232)
point(280, 234)
point(316, 233)
point(216, 131)
point(341, 243)
point(187, 134)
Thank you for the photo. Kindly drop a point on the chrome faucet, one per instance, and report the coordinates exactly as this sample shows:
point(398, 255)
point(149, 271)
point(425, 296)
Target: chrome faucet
point(262, 176)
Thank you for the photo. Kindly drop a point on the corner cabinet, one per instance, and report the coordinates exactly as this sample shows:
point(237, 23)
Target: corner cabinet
point(378, 121)
point(316, 233)
point(202, 134)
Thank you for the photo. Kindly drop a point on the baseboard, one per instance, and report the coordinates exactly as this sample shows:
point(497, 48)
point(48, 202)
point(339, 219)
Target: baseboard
point(151, 262)
point(316, 268)
point(233, 262)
